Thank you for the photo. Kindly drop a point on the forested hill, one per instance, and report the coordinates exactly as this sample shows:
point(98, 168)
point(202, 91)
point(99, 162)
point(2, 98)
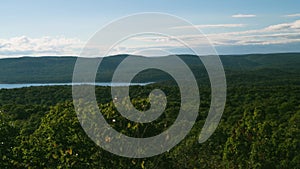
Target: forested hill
point(60, 69)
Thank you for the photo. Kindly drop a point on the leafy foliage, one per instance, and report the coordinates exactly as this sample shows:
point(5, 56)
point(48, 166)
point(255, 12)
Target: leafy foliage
point(259, 127)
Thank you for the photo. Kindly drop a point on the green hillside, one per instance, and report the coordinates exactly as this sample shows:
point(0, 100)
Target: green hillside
point(60, 69)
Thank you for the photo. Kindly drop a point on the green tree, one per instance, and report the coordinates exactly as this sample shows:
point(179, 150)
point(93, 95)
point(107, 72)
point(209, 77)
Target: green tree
point(8, 134)
point(59, 142)
point(242, 147)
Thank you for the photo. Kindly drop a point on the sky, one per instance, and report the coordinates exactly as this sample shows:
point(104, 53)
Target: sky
point(62, 28)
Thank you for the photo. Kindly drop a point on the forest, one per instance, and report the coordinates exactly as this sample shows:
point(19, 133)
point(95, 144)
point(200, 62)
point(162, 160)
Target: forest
point(259, 127)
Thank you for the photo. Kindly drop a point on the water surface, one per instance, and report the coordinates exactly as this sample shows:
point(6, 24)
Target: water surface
point(14, 86)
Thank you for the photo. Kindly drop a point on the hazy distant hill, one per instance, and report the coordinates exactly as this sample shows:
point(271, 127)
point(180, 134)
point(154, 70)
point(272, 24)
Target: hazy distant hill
point(60, 69)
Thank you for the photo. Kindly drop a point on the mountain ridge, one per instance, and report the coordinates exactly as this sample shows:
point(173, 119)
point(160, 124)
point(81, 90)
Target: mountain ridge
point(49, 69)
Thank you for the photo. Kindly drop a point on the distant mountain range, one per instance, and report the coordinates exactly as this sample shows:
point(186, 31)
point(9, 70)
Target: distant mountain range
point(48, 69)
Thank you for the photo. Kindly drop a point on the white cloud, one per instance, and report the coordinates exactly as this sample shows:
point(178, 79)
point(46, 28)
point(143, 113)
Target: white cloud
point(284, 26)
point(243, 16)
point(210, 26)
point(274, 34)
point(292, 15)
point(54, 46)
point(283, 33)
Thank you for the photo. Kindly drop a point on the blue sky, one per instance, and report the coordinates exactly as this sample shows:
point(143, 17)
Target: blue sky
point(55, 27)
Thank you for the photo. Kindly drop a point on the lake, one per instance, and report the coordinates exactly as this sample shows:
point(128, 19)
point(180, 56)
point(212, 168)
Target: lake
point(14, 86)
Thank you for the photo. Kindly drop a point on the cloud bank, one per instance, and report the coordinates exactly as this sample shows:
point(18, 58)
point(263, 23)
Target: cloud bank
point(52, 46)
point(283, 34)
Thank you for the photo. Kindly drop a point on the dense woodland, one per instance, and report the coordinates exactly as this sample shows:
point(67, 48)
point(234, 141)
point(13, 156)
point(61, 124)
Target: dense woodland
point(259, 127)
